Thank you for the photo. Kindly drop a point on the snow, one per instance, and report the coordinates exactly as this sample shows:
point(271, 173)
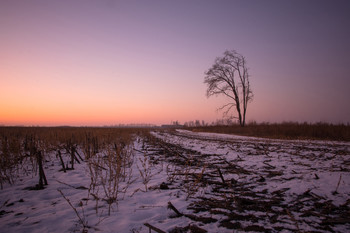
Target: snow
point(316, 168)
point(299, 175)
point(306, 158)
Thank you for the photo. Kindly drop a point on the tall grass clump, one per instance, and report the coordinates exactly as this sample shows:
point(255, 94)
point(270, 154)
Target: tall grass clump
point(24, 149)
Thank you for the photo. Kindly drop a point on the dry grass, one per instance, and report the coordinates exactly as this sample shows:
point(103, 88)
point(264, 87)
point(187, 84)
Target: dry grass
point(18, 144)
point(108, 153)
point(287, 130)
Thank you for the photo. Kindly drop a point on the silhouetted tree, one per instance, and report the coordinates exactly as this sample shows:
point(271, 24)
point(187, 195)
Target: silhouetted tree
point(229, 76)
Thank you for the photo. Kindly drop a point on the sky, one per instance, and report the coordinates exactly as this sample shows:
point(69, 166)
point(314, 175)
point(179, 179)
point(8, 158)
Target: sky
point(120, 62)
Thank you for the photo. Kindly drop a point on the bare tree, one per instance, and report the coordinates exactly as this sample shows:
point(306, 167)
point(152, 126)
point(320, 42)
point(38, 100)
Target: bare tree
point(229, 76)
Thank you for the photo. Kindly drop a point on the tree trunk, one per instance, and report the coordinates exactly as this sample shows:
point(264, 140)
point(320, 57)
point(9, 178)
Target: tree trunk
point(241, 122)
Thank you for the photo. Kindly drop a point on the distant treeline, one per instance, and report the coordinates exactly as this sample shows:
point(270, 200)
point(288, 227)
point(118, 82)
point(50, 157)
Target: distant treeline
point(285, 130)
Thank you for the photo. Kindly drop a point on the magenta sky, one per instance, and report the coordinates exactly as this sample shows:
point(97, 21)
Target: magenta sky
point(110, 62)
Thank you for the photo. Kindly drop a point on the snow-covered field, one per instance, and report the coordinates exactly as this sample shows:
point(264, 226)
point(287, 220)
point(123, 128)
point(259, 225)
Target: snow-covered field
point(182, 181)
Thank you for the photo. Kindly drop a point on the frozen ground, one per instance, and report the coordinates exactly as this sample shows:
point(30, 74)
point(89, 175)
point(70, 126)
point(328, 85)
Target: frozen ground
point(216, 182)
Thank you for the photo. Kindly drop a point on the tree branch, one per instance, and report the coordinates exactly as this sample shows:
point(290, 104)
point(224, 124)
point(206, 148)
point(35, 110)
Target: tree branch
point(221, 78)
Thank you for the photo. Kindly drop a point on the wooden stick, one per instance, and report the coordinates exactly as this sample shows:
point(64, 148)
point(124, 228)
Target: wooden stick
point(153, 228)
point(336, 190)
point(82, 222)
point(268, 164)
point(59, 155)
point(171, 206)
point(42, 177)
point(76, 152)
point(72, 159)
point(221, 176)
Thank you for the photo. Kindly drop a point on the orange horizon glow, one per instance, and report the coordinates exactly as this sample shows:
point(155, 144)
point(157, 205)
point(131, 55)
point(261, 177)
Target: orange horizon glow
point(44, 109)
point(92, 63)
